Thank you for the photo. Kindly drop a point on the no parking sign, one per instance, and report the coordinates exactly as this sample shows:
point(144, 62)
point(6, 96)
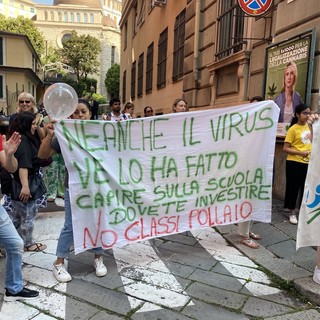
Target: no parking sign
point(255, 7)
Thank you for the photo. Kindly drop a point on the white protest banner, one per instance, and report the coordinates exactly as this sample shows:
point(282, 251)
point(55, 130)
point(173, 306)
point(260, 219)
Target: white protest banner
point(309, 216)
point(143, 178)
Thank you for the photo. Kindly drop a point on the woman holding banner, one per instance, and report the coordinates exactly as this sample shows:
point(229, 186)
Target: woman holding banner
point(288, 99)
point(49, 147)
point(316, 275)
point(244, 228)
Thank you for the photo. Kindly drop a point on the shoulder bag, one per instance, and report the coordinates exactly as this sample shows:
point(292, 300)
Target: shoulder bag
point(36, 185)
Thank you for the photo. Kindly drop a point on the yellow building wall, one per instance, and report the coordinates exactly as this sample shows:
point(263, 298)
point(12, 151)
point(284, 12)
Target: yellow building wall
point(156, 21)
point(24, 84)
point(15, 8)
point(17, 53)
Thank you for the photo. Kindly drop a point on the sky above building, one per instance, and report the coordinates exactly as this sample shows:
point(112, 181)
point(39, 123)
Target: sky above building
point(43, 1)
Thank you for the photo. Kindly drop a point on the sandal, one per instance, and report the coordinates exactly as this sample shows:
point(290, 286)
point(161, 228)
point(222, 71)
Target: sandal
point(254, 236)
point(250, 243)
point(36, 247)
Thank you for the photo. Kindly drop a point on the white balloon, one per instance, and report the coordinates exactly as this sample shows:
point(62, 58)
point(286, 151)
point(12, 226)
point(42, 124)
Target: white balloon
point(60, 101)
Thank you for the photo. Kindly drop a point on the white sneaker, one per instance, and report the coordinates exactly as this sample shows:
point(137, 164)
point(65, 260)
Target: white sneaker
point(101, 269)
point(293, 219)
point(60, 272)
point(316, 275)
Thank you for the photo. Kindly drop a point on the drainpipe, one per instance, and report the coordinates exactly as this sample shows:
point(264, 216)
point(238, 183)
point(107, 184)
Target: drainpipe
point(196, 71)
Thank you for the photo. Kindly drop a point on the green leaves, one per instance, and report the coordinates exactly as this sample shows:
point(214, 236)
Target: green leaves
point(112, 80)
point(81, 53)
point(272, 90)
point(26, 27)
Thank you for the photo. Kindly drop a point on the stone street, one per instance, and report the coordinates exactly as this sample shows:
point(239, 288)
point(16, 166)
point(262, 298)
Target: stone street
point(203, 274)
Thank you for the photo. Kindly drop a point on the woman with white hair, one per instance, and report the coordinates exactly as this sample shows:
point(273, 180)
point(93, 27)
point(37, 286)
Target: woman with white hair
point(26, 103)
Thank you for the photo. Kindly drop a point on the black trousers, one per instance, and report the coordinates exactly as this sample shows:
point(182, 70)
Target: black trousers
point(296, 173)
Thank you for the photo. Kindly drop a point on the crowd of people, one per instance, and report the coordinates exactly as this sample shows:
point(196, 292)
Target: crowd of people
point(31, 151)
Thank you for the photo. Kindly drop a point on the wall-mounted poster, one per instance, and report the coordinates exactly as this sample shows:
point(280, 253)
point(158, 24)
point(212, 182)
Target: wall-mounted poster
point(288, 74)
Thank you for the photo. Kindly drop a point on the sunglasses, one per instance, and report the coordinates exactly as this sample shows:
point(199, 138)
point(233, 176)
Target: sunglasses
point(149, 111)
point(24, 101)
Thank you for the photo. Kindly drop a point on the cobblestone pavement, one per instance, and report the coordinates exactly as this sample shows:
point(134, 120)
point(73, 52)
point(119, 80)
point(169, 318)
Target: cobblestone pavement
point(204, 274)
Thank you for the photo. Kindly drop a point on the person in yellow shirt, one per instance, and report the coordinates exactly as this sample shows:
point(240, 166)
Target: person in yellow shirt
point(297, 145)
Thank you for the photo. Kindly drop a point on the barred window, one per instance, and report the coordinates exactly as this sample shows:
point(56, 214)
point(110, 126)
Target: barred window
point(162, 59)
point(178, 51)
point(125, 36)
point(124, 86)
point(113, 53)
point(149, 68)
point(133, 80)
point(231, 28)
point(140, 75)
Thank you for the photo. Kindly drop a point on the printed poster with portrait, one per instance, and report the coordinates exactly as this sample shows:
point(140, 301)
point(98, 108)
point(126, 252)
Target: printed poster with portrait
point(288, 73)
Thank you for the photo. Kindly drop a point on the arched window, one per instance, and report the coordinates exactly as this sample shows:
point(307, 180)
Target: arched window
point(72, 17)
point(91, 18)
point(52, 16)
point(66, 17)
point(65, 37)
point(78, 17)
point(46, 15)
point(59, 16)
point(85, 18)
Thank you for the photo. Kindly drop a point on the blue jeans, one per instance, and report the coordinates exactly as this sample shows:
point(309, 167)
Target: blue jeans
point(23, 219)
point(66, 235)
point(13, 244)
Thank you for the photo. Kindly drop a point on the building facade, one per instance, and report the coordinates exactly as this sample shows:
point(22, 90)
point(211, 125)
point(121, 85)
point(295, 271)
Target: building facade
point(18, 69)
point(85, 17)
point(207, 51)
point(15, 8)
point(213, 55)
point(112, 9)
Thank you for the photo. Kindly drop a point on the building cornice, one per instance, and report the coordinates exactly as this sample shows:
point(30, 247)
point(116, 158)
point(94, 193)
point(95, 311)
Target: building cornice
point(27, 71)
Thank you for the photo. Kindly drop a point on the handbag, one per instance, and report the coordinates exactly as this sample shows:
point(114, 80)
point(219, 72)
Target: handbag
point(36, 185)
